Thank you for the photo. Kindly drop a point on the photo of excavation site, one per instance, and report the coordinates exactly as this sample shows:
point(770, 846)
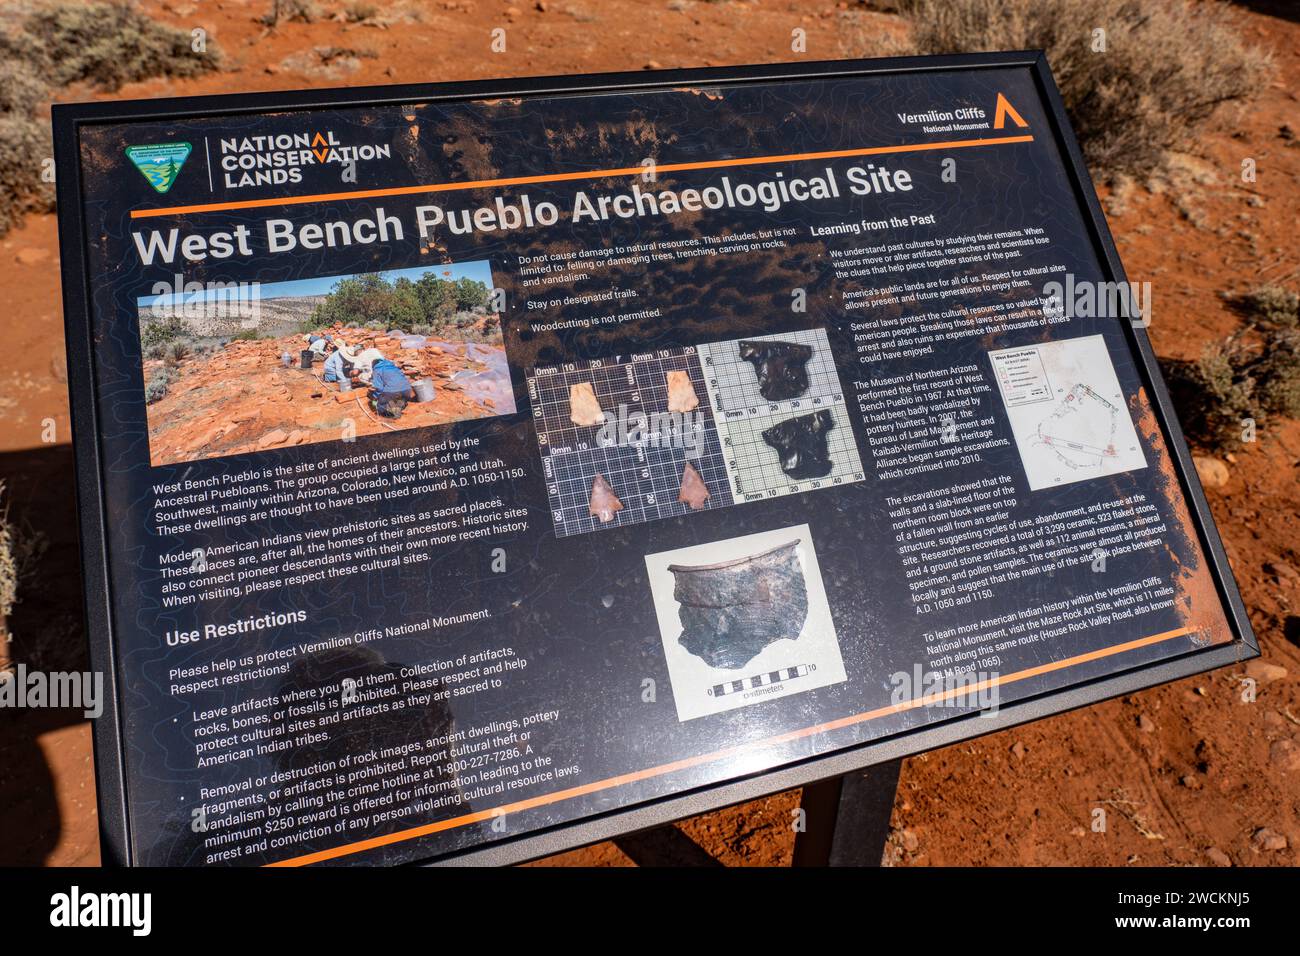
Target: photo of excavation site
point(263, 366)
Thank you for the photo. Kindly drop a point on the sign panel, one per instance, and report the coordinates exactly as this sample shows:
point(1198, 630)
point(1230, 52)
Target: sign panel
point(470, 472)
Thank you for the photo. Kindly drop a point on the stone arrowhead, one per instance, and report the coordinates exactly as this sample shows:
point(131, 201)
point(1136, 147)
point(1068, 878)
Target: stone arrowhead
point(694, 491)
point(604, 503)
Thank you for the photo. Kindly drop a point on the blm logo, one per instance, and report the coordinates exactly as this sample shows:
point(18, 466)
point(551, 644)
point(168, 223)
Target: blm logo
point(160, 163)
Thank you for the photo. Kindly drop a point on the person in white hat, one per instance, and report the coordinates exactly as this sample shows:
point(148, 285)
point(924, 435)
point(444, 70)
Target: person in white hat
point(363, 365)
point(339, 362)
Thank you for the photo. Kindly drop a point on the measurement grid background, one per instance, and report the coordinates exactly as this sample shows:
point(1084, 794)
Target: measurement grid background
point(646, 479)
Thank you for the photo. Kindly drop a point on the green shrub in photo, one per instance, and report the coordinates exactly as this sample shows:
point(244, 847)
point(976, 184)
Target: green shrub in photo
point(429, 303)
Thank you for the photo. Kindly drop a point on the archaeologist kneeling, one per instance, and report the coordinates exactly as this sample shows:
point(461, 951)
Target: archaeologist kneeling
point(339, 363)
point(318, 344)
point(362, 364)
point(390, 389)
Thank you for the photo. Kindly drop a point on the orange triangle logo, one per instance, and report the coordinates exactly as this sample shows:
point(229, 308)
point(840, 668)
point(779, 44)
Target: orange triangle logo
point(1005, 110)
point(322, 153)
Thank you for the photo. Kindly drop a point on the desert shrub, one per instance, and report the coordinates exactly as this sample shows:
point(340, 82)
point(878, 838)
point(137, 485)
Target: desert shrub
point(21, 550)
point(22, 91)
point(1166, 67)
point(1271, 305)
point(300, 11)
point(8, 564)
point(328, 55)
point(357, 12)
point(373, 302)
point(156, 388)
point(178, 352)
point(47, 46)
point(1277, 375)
point(106, 44)
point(246, 335)
point(24, 144)
point(1238, 380)
point(160, 332)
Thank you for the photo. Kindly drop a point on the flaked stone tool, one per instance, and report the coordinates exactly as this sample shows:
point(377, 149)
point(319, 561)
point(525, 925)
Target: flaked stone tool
point(681, 393)
point(731, 611)
point(801, 443)
point(584, 407)
point(604, 503)
point(781, 368)
point(693, 491)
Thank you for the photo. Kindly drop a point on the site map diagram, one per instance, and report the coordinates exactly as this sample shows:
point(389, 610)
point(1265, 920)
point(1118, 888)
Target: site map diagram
point(1067, 411)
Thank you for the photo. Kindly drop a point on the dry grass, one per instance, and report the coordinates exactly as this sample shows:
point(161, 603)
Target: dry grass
point(1167, 66)
point(291, 11)
point(8, 566)
point(49, 45)
point(21, 548)
point(1237, 386)
point(1272, 306)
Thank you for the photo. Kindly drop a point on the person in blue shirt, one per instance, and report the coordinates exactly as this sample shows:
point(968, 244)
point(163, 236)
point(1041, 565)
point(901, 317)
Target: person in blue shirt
point(390, 389)
point(337, 365)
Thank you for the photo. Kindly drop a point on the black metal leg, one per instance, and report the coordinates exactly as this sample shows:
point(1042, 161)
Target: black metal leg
point(846, 818)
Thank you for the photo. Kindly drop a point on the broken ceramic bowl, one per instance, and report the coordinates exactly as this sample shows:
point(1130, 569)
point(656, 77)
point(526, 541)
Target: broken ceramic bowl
point(731, 611)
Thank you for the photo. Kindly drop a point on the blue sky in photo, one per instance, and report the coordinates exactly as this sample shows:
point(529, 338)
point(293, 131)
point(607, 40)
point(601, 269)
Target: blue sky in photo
point(478, 270)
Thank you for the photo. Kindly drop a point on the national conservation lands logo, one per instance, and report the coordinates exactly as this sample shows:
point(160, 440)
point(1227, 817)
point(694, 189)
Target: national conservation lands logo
point(160, 163)
point(273, 159)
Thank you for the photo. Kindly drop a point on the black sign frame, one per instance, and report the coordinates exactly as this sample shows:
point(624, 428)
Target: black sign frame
point(93, 510)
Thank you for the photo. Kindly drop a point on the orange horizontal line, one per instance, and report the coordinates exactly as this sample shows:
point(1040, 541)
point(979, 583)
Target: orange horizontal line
point(566, 177)
point(478, 816)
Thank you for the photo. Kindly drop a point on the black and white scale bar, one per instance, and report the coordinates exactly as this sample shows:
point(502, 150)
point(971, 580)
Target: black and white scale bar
point(760, 680)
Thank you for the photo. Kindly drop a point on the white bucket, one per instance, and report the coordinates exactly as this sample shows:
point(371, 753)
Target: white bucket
point(423, 390)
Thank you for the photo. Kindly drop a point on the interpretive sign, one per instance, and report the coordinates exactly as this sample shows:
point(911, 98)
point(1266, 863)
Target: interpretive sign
point(470, 472)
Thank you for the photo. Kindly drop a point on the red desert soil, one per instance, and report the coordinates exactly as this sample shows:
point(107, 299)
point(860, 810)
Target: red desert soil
point(1188, 773)
point(244, 398)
